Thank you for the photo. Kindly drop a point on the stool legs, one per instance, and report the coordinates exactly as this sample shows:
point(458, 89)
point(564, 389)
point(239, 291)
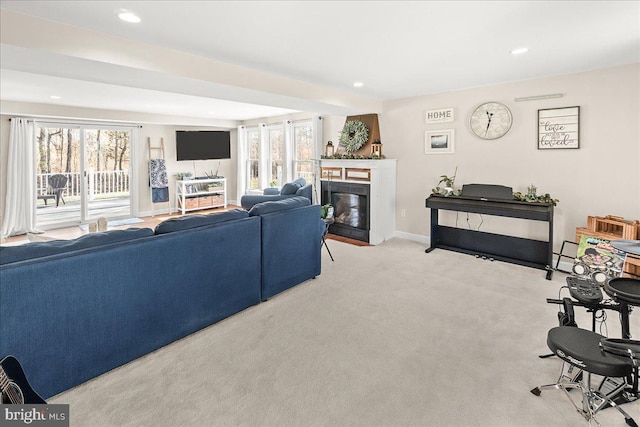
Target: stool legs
point(592, 400)
point(324, 241)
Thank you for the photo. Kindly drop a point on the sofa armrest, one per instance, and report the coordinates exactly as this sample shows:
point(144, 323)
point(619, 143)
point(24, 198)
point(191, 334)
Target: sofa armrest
point(271, 191)
point(249, 200)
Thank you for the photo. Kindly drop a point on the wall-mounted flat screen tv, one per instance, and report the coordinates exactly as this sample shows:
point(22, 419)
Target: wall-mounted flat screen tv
point(203, 145)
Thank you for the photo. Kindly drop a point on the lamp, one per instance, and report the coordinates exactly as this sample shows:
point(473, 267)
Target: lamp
point(329, 151)
point(376, 148)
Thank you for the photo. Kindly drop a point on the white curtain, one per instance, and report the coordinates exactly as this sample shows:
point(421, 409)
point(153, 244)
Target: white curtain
point(20, 203)
point(288, 155)
point(318, 142)
point(242, 162)
point(264, 172)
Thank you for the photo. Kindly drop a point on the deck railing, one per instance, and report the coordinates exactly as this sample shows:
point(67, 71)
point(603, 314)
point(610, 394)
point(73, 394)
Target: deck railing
point(98, 183)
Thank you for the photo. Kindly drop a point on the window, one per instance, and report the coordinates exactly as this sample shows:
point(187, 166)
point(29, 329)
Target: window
point(270, 155)
point(303, 151)
point(253, 160)
point(276, 156)
point(92, 165)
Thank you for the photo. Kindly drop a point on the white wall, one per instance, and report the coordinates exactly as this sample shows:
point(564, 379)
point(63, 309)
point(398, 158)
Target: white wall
point(197, 168)
point(601, 178)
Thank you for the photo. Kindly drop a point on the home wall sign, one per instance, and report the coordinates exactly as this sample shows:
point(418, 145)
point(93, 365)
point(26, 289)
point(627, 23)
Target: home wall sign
point(357, 174)
point(442, 115)
point(330, 173)
point(559, 128)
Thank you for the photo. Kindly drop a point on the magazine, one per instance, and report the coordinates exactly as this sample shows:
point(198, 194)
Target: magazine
point(597, 260)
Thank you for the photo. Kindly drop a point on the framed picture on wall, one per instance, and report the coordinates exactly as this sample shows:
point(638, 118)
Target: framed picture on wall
point(559, 128)
point(439, 141)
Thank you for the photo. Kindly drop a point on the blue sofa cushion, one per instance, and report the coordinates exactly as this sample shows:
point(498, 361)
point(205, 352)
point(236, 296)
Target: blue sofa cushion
point(9, 254)
point(289, 188)
point(305, 191)
point(193, 221)
point(293, 187)
point(279, 205)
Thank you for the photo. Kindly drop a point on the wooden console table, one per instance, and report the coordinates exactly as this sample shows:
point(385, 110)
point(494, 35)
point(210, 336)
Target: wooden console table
point(516, 250)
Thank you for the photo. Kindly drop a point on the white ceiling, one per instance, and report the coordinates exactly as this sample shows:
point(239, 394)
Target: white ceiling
point(397, 49)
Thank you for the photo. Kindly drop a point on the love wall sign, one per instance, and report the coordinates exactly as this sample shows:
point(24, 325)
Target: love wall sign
point(559, 128)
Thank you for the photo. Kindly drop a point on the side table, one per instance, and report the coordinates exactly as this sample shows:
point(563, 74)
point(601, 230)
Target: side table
point(327, 223)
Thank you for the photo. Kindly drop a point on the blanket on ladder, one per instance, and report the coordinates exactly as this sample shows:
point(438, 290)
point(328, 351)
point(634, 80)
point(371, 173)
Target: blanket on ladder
point(159, 181)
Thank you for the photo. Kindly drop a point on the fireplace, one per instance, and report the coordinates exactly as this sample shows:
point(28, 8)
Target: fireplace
point(351, 203)
point(364, 191)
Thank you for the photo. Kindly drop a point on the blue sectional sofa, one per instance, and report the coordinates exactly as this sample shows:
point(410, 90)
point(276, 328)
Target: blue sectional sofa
point(297, 188)
point(285, 264)
point(72, 310)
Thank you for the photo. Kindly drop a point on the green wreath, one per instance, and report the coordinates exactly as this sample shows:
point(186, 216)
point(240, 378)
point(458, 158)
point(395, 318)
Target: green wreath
point(354, 135)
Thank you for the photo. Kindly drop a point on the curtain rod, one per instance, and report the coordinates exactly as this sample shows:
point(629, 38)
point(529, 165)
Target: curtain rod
point(82, 122)
point(280, 122)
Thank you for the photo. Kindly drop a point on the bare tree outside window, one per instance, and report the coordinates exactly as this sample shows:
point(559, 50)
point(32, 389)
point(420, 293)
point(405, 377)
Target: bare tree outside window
point(107, 159)
point(253, 161)
point(303, 143)
point(276, 159)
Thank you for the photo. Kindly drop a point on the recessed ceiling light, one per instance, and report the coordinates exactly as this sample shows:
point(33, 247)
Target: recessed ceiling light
point(358, 84)
point(55, 97)
point(519, 51)
point(129, 17)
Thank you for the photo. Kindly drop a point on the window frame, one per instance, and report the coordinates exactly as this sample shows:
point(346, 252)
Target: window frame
point(290, 161)
point(249, 159)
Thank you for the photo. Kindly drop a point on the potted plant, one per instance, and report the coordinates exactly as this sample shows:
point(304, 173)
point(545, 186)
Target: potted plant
point(448, 181)
point(211, 186)
point(326, 211)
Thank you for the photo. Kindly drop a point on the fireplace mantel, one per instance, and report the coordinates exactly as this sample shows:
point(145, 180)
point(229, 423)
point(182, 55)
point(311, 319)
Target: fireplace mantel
point(380, 175)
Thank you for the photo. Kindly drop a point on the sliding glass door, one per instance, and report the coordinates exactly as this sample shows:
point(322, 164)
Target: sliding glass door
point(83, 173)
point(107, 173)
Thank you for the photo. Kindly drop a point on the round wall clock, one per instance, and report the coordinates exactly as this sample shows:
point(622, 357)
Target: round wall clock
point(491, 120)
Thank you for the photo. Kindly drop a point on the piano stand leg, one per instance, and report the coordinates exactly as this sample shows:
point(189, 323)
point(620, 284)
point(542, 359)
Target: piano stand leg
point(426, 251)
point(549, 274)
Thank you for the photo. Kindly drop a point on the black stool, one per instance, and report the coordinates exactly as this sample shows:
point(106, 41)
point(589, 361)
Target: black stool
point(626, 292)
point(581, 349)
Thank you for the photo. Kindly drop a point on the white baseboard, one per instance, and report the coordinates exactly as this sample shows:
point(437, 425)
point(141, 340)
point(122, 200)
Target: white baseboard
point(165, 210)
point(414, 237)
point(162, 211)
point(425, 240)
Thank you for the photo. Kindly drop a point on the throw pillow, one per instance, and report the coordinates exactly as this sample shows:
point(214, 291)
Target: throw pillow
point(289, 188)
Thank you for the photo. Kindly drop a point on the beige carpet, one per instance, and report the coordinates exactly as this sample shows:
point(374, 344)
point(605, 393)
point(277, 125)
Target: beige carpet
point(386, 336)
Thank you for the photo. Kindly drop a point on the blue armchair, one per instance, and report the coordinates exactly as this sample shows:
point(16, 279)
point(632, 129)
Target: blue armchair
point(299, 187)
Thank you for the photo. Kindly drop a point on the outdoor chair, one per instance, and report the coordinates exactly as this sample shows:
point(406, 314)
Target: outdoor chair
point(57, 185)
